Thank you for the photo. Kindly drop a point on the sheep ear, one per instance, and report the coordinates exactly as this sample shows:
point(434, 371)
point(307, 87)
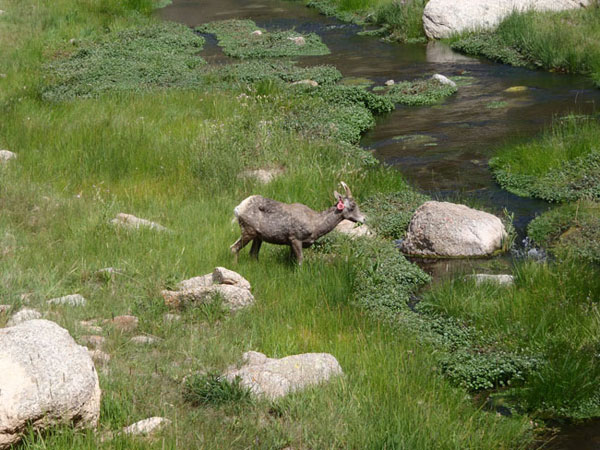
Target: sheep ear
point(337, 195)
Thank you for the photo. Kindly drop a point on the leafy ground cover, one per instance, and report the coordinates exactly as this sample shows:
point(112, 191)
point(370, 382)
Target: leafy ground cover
point(174, 156)
point(237, 40)
point(420, 92)
point(399, 21)
point(562, 165)
point(564, 41)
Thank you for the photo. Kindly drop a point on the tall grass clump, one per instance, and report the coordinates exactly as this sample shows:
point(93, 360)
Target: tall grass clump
point(551, 313)
point(559, 41)
point(562, 165)
point(399, 21)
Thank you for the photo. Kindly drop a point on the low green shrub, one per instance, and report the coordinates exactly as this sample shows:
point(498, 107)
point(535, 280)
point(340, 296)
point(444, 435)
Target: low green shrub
point(160, 55)
point(252, 71)
point(236, 39)
point(419, 92)
point(214, 390)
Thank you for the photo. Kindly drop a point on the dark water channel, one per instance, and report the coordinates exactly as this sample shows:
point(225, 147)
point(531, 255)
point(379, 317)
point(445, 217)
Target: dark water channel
point(448, 145)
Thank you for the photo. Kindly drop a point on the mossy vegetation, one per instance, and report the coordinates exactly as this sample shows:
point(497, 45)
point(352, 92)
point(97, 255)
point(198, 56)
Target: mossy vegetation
point(398, 21)
point(559, 41)
point(562, 165)
point(420, 92)
point(243, 39)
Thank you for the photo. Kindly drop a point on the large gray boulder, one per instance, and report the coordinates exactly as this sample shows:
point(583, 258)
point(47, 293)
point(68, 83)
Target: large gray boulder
point(46, 379)
point(443, 18)
point(275, 378)
point(442, 229)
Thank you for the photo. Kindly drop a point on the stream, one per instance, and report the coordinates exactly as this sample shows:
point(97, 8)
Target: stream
point(442, 150)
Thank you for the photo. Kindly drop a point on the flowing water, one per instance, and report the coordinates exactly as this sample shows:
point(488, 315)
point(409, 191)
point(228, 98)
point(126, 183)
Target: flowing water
point(443, 150)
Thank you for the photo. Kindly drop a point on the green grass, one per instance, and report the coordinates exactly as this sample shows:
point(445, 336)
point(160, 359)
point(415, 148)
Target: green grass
point(420, 92)
point(572, 229)
point(562, 165)
point(174, 156)
point(398, 21)
point(551, 314)
point(236, 39)
point(564, 42)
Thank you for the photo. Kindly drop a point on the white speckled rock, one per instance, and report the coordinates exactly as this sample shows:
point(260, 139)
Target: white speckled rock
point(132, 222)
point(147, 426)
point(23, 315)
point(443, 80)
point(46, 379)
point(234, 297)
point(6, 155)
point(221, 275)
point(501, 279)
point(298, 40)
point(443, 18)
point(275, 378)
point(442, 229)
point(196, 282)
point(352, 229)
point(71, 300)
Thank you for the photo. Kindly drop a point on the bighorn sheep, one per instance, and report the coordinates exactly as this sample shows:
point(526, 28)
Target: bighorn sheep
point(262, 219)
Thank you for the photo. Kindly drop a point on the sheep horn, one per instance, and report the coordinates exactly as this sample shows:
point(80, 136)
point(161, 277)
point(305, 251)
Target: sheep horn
point(347, 189)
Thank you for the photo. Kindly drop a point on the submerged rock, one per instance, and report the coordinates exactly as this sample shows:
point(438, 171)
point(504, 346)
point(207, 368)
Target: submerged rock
point(275, 378)
point(46, 380)
point(442, 229)
point(443, 18)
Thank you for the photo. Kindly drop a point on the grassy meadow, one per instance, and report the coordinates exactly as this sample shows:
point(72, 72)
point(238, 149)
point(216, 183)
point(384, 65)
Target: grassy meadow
point(170, 149)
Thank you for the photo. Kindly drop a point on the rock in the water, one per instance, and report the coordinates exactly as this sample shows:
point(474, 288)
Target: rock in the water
point(311, 83)
point(71, 300)
point(233, 297)
point(298, 40)
point(443, 18)
point(443, 80)
point(350, 228)
point(390, 83)
point(442, 229)
point(502, 279)
point(275, 378)
point(133, 222)
point(125, 323)
point(221, 275)
point(6, 155)
point(23, 315)
point(147, 426)
point(46, 380)
point(516, 89)
point(440, 53)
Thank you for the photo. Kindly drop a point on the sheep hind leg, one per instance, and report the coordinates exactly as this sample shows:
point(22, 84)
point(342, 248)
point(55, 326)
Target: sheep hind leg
point(256, 243)
point(296, 247)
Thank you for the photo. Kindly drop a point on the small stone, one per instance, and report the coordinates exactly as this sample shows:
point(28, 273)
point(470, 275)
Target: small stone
point(132, 222)
point(71, 300)
point(273, 378)
point(221, 275)
point(262, 175)
point(144, 340)
point(390, 83)
point(233, 297)
point(311, 83)
point(99, 357)
point(502, 279)
point(6, 155)
point(443, 80)
point(93, 341)
point(172, 317)
point(256, 33)
point(26, 297)
point(107, 272)
point(2, 75)
point(91, 326)
point(72, 41)
point(196, 282)
point(352, 229)
point(147, 426)
point(23, 315)
point(299, 40)
point(514, 89)
point(125, 323)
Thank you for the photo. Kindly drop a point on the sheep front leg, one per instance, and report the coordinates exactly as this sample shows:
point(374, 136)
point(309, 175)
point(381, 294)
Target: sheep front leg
point(237, 246)
point(297, 249)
